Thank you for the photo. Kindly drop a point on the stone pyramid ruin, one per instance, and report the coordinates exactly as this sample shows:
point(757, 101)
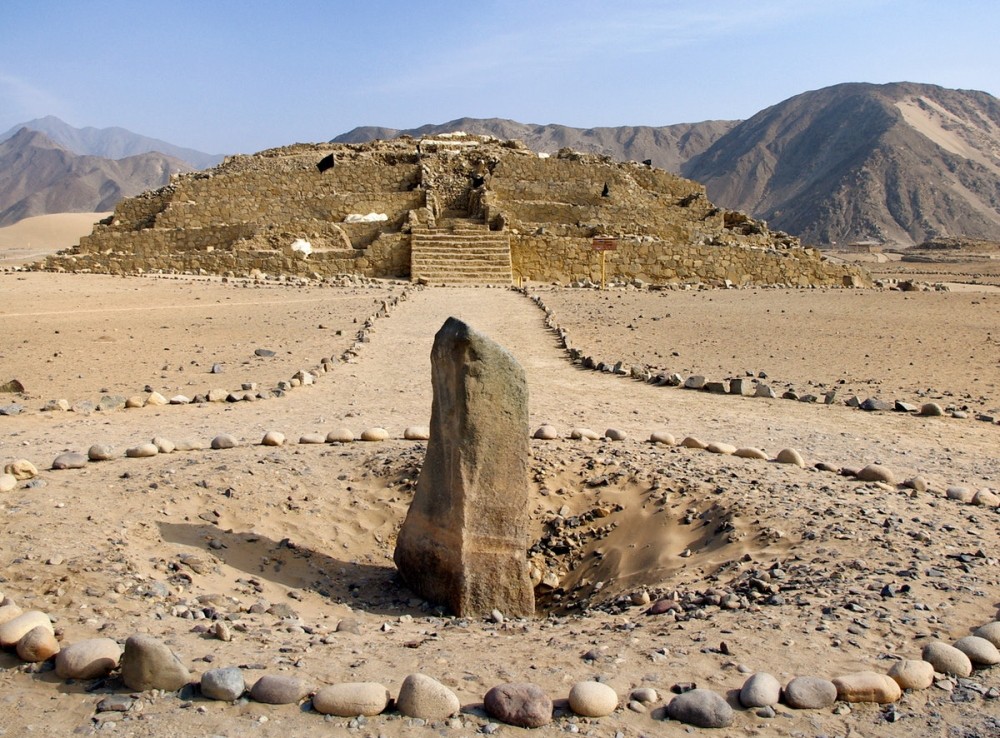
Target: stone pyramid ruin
point(450, 209)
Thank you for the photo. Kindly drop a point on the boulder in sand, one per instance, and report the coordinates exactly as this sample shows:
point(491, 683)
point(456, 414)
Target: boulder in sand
point(876, 473)
point(790, 456)
point(524, 705)
point(21, 469)
point(148, 663)
point(38, 644)
point(947, 659)
point(990, 631)
point(340, 435)
point(69, 460)
point(810, 693)
point(702, 708)
point(273, 438)
point(14, 630)
point(421, 696)
point(225, 684)
point(224, 441)
point(912, 674)
point(278, 689)
point(9, 611)
point(374, 434)
point(89, 659)
point(351, 699)
point(981, 652)
point(760, 690)
point(867, 686)
point(417, 433)
point(592, 699)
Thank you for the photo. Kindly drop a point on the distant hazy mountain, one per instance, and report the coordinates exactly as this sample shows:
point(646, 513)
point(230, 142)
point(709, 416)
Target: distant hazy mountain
point(898, 163)
point(111, 143)
point(667, 146)
point(37, 177)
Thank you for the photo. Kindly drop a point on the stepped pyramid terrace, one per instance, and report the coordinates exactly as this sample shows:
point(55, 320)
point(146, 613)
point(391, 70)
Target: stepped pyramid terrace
point(451, 209)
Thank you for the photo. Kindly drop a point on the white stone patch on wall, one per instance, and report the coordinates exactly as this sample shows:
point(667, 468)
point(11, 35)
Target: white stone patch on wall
point(302, 246)
point(370, 218)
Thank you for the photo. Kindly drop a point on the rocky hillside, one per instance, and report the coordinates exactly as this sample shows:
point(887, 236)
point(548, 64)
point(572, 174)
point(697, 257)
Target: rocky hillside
point(37, 176)
point(111, 143)
point(667, 146)
point(897, 163)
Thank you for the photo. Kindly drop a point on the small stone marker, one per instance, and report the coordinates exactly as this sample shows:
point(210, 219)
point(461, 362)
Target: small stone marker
point(867, 686)
point(760, 690)
point(351, 699)
point(912, 674)
point(592, 699)
point(223, 684)
point(70, 460)
point(947, 659)
point(702, 708)
point(810, 693)
point(522, 704)
point(465, 538)
point(38, 644)
point(13, 630)
point(89, 659)
point(278, 689)
point(423, 697)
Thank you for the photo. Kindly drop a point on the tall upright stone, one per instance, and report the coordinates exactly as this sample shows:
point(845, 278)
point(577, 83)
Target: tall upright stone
point(465, 538)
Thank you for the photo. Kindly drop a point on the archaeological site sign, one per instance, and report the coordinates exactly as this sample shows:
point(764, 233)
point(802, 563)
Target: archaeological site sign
point(604, 244)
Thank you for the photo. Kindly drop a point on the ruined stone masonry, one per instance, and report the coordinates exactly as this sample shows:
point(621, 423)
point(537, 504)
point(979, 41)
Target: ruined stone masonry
point(450, 209)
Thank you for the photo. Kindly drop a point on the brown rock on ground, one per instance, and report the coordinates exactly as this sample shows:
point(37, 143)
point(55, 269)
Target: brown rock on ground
point(38, 644)
point(148, 663)
point(867, 686)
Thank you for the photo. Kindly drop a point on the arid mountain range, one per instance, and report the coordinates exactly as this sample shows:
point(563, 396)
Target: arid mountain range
point(898, 163)
point(37, 177)
point(111, 143)
point(668, 147)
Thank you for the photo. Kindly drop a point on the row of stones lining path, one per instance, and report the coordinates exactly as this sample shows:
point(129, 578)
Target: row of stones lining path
point(388, 384)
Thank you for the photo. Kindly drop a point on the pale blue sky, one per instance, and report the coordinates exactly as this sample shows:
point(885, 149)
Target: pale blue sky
point(229, 76)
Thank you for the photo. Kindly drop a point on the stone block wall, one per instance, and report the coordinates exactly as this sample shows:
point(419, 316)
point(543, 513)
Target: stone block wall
point(246, 213)
point(533, 193)
point(547, 258)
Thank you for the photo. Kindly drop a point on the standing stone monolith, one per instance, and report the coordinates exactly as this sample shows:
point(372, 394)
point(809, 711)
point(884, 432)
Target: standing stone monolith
point(465, 538)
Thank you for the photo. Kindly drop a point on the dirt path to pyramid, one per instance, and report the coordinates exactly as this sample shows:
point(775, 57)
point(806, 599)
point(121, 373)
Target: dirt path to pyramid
point(388, 385)
point(392, 384)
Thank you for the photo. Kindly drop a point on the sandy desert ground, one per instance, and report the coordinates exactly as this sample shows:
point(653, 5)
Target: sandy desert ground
point(824, 574)
point(31, 239)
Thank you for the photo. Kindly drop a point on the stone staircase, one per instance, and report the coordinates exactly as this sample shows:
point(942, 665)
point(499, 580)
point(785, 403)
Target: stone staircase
point(460, 251)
